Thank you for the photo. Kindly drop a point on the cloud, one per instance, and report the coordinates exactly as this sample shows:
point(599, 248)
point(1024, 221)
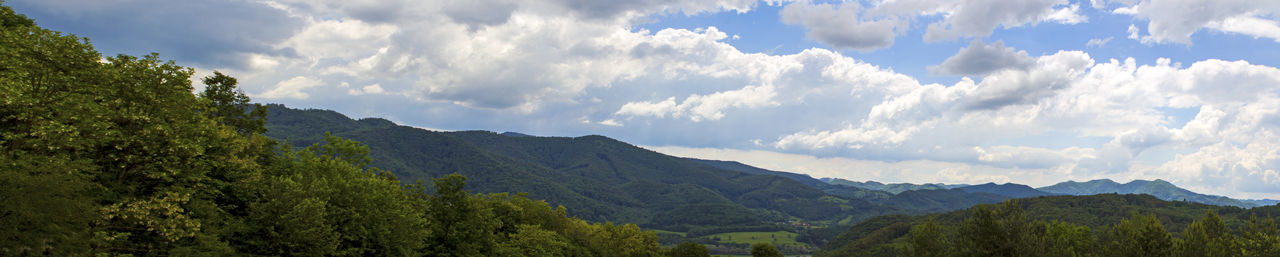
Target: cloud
point(979, 59)
point(849, 25)
point(560, 68)
point(980, 18)
point(1174, 21)
point(202, 32)
point(1098, 42)
point(840, 25)
point(292, 88)
point(703, 107)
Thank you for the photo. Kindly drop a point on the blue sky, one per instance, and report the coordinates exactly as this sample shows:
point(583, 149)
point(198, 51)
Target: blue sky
point(954, 91)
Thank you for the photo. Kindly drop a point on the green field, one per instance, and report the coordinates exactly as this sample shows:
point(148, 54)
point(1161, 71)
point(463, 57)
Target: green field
point(778, 238)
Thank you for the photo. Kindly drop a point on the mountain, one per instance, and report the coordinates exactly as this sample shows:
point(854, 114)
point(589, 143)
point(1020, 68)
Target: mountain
point(595, 177)
point(1158, 188)
point(894, 188)
point(1009, 190)
point(845, 191)
point(888, 235)
point(939, 200)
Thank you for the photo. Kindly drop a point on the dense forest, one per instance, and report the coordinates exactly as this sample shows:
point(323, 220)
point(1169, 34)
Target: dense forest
point(1099, 225)
point(116, 156)
point(119, 156)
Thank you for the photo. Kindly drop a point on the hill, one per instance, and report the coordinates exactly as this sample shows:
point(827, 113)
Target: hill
point(1158, 188)
point(1010, 190)
point(894, 188)
point(1094, 215)
point(596, 177)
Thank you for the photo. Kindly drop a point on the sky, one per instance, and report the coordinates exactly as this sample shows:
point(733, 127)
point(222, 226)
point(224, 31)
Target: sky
point(954, 91)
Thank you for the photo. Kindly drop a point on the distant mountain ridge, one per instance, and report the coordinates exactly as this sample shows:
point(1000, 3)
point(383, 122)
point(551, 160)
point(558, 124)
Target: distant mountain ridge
point(894, 188)
point(1159, 188)
point(1010, 190)
point(596, 177)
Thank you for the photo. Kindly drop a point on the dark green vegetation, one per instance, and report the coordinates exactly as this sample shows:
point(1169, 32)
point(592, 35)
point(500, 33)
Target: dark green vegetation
point(894, 188)
point(117, 157)
point(1158, 188)
point(597, 178)
point(1099, 225)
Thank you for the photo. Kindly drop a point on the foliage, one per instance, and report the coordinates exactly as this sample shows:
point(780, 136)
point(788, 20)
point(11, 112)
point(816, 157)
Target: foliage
point(116, 156)
point(689, 249)
point(1065, 225)
point(764, 250)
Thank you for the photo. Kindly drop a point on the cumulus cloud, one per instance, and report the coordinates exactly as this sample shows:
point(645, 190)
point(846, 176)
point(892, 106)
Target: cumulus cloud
point(703, 107)
point(980, 18)
point(841, 25)
point(292, 88)
point(203, 32)
point(853, 26)
point(1174, 21)
point(980, 59)
point(572, 68)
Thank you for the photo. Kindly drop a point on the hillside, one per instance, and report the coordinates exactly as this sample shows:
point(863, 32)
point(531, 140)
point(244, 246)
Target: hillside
point(598, 178)
point(889, 235)
point(894, 188)
point(845, 191)
point(1158, 188)
point(1009, 190)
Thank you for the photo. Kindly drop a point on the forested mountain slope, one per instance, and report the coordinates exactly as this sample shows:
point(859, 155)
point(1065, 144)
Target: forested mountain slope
point(1158, 188)
point(1106, 225)
point(598, 178)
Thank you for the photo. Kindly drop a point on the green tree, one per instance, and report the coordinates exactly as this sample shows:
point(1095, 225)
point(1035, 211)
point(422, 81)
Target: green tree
point(459, 226)
point(1208, 236)
point(317, 203)
point(764, 250)
point(994, 230)
point(1138, 236)
point(928, 240)
point(1260, 237)
point(531, 241)
point(689, 249)
point(231, 106)
point(1061, 239)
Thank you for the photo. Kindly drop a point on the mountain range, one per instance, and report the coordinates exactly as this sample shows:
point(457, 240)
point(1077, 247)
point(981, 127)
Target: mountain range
point(602, 179)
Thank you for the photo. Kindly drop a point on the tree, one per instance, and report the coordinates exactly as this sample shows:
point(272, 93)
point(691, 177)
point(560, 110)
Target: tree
point(1138, 236)
point(1208, 236)
point(231, 107)
point(765, 250)
point(459, 227)
point(1063, 239)
point(317, 203)
point(689, 249)
point(994, 230)
point(928, 240)
point(1260, 237)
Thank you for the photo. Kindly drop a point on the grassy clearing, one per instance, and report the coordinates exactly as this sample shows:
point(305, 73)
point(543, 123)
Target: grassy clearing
point(778, 238)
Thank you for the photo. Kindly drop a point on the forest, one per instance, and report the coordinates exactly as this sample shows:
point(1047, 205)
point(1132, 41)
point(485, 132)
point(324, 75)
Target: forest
point(117, 156)
point(123, 156)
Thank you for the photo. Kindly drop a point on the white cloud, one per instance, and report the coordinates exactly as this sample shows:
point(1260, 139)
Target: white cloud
point(704, 107)
point(574, 67)
point(1098, 42)
point(850, 25)
point(981, 59)
point(1174, 21)
point(292, 88)
point(964, 19)
point(610, 122)
point(841, 25)
point(374, 89)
